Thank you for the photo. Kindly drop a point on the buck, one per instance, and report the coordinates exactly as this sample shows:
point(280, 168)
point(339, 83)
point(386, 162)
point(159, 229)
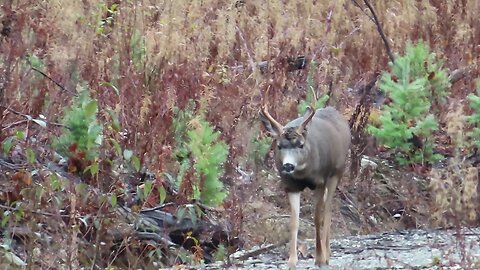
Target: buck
point(310, 151)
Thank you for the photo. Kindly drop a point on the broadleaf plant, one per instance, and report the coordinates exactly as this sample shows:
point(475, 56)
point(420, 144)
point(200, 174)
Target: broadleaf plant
point(83, 132)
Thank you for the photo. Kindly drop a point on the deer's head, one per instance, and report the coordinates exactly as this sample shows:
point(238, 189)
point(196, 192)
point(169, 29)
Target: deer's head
point(292, 150)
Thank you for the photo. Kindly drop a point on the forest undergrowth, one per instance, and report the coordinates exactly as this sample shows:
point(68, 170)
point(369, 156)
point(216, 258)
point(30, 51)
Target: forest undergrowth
point(130, 133)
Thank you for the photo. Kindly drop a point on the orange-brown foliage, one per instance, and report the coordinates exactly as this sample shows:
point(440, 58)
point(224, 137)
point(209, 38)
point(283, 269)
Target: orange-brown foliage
point(208, 49)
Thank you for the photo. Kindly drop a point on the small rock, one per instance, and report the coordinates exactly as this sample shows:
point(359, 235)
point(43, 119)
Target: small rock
point(366, 162)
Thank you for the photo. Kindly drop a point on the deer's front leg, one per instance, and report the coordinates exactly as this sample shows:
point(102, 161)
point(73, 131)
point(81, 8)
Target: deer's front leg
point(323, 220)
point(294, 199)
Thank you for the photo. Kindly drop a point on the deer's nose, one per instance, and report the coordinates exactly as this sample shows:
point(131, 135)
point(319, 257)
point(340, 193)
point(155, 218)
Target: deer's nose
point(288, 167)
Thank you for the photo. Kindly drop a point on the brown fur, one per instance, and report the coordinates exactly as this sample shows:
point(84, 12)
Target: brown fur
point(321, 145)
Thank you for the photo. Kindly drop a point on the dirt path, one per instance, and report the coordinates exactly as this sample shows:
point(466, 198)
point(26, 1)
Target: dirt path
point(414, 249)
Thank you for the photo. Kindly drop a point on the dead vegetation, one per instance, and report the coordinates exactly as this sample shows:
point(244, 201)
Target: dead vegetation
point(142, 59)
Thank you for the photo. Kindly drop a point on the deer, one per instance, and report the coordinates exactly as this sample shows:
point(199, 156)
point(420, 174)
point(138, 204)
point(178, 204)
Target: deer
point(310, 152)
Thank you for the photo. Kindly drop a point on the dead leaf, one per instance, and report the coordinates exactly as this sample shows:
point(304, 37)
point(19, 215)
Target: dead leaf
point(22, 177)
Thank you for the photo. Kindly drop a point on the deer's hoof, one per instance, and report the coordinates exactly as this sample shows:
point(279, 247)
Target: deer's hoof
point(292, 262)
point(322, 266)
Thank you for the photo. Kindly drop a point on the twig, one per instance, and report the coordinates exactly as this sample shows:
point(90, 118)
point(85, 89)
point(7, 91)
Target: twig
point(14, 124)
point(13, 111)
point(34, 211)
point(155, 237)
point(380, 31)
point(379, 247)
point(257, 251)
point(209, 208)
point(97, 244)
point(250, 59)
point(72, 259)
point(157, 207)
point(50, 78)
point(29, 118)
point(13, 166)
point(363, 11)
point(375, 20)
point(328, 19)
point(197, 203)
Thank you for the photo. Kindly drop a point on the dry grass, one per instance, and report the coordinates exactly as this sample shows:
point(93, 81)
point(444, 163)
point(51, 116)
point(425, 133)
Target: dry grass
point(455, 185)
point(161, 54)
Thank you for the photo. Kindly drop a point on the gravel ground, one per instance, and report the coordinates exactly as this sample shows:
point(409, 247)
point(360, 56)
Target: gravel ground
point(413, 249)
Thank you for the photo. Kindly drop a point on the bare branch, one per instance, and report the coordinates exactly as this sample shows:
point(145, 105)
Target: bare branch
point(14, 124)
point(380, 31)
point(49, 78)
point(257, 251)
point(363, 11)
point(12, 166)
point(29, 117)
point(375, 20)
point(250, 58)
point(34, 212)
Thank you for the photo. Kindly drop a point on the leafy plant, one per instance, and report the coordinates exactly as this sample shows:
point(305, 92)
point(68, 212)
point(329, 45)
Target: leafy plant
point(191, 211)
point(105, 22)
point(259, 148)
point(209, 155)
point(83, 132)
point(406, 123)
point(138, 49)
point(310, 99)
point(418, 63)
point(8, 144)
point(196, 142)
point(180, 128)
point(474, 119)
point(221, 253)
point(181, 151)
point(30, 155)
point(144, 192)
point(8, 256)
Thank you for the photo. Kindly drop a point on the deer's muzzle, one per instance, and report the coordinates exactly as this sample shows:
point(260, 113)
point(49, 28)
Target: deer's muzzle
point(288, 168)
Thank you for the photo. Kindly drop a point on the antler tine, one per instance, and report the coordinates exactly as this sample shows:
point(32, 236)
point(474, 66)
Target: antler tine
point(314, 97)
point(265, 112)
point(312, 112)
point(305, 122)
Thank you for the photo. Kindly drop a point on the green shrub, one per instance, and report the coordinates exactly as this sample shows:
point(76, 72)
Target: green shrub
point(180, 128)
point(105, 17)
point(209, 155)
point(83, 133)
point(138, 49)
point(260, 146)
point(418, 63)
point(415, 82)
point(474, 119)
point(196, 142)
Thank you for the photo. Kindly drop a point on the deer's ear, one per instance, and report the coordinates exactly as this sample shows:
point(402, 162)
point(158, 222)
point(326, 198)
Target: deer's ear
point(271, 128)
